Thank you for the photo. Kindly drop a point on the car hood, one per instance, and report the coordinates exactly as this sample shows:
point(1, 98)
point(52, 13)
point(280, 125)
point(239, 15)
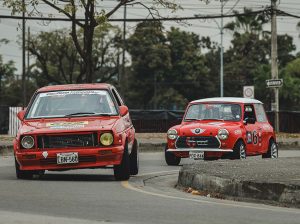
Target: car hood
point(206, 127)
point(66, 125)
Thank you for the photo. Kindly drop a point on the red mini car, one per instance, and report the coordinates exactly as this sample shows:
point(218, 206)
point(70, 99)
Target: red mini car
point(73, 127)
point(221, 128)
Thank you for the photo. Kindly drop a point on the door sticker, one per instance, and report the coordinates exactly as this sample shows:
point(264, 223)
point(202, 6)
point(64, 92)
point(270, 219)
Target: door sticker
point(249, 137)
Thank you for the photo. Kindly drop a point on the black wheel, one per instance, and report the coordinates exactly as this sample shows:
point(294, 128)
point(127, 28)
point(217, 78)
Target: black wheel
point(272, 150)
point(134, 159)
point(122, 171)
point(239, 151)
point(171, 159)
point(23, 174)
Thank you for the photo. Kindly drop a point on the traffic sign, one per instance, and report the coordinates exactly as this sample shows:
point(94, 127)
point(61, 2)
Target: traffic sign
point(248, 92)
point(274, 83)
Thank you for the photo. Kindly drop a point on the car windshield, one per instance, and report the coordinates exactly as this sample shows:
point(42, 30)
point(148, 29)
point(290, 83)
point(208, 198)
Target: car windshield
point(214, 111)
point(72, 103)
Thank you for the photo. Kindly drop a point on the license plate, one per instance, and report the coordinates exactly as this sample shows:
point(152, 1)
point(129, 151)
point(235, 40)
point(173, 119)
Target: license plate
point(65, 158)
point(196, 155)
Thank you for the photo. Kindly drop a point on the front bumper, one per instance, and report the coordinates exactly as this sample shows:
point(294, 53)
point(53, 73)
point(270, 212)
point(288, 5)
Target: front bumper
point(88, 158)
point(199, 150)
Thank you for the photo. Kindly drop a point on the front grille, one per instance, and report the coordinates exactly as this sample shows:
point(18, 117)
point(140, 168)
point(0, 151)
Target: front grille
point(81, 159)
point(197, 142)
point(67, 141)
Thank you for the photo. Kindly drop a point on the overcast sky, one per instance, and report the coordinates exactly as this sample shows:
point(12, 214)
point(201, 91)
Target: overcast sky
point(10, 30)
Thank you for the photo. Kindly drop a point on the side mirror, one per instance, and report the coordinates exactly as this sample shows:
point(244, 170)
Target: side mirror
point(21, 115)
point(249, 120)
point(123, 110)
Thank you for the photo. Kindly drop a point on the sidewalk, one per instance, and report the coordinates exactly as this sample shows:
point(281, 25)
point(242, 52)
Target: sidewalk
point(271, 181)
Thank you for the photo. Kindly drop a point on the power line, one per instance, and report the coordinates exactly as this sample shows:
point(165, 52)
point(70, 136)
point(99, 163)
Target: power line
point(142, 19)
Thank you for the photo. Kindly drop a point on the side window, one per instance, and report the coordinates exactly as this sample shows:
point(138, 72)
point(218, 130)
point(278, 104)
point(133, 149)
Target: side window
point(117, 97)
point(260, 113)
point(249, 112)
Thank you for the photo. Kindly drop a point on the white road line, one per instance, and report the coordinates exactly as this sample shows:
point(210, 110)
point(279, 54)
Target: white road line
point(127, 185)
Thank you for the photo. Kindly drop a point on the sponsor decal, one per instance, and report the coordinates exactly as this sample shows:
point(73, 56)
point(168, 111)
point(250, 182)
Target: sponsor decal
point(45, 154)
point(216, 123)
point(197, 131)
point(237, 132)
point(249, 137)
point(67, 125)
point(266, 127)
point(74, 92)
point(190, 142)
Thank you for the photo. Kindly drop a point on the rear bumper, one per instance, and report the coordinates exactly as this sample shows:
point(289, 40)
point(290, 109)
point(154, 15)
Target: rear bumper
point(88, 158)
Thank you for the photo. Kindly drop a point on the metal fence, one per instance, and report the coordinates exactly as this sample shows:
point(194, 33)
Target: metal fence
point(150, 120)
point(14, 122)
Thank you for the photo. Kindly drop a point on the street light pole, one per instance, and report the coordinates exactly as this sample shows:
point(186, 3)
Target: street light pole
point(221, 54)
point(23, 57)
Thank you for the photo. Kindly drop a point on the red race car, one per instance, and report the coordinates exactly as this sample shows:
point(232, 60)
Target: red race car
point(225, 127)
point(76, 126)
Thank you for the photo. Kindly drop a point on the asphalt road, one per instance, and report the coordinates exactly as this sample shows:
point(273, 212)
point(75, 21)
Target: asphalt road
point(93, 196)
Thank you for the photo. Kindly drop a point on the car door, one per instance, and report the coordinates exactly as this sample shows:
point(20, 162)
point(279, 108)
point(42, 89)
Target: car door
point(253, 131)
point(130, 131)
point(264, 128)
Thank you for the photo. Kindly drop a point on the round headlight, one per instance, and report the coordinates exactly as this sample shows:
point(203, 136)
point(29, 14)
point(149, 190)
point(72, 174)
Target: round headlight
point(27, 142)
point(106, 139)
point(172, 134)
point(223, 134)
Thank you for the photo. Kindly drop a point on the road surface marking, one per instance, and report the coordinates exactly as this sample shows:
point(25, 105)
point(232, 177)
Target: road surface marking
point(127, 185)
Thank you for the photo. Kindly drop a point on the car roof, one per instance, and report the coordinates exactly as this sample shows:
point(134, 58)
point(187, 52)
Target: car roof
point(227, 100)
point(75, 87)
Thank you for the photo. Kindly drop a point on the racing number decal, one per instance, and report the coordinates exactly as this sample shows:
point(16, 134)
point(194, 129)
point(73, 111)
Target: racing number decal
point(253, 137)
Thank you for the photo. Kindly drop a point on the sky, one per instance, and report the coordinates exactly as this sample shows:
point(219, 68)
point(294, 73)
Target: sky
point(10, 29)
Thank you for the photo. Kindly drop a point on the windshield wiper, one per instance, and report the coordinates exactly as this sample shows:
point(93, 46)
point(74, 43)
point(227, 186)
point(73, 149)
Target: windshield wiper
point(217, 119)
point(192, 119)
point(79, 113)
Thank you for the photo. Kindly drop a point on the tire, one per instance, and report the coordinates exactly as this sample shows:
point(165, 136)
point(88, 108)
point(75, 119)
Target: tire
point(171, 159)
point(134, 159)
point(122, 171)
point(272, 150)
point(23, 174)
point(239, 151)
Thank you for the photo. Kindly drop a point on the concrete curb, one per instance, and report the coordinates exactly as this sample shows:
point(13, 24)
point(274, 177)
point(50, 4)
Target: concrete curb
point(6, 150)
point(270, 193)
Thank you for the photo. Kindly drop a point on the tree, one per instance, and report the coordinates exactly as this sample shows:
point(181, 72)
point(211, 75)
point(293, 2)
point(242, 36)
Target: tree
point(59, 63)
point(93, 13)
point(150, 56)
point(289, 93)
point(247, 61)
point(188, 74)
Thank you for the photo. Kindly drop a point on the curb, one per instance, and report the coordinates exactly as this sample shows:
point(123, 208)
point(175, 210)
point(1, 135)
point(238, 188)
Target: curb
point(271, 193)
point(6, 150)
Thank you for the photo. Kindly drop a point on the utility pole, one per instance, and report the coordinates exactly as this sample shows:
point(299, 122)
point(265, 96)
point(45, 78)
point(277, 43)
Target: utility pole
point(122, 80)
point(221, 54)
point(23, 57)
point(274, 61)
point(28, 58)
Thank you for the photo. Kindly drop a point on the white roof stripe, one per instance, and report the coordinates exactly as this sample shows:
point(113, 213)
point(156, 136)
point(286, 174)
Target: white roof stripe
point(227, 100)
